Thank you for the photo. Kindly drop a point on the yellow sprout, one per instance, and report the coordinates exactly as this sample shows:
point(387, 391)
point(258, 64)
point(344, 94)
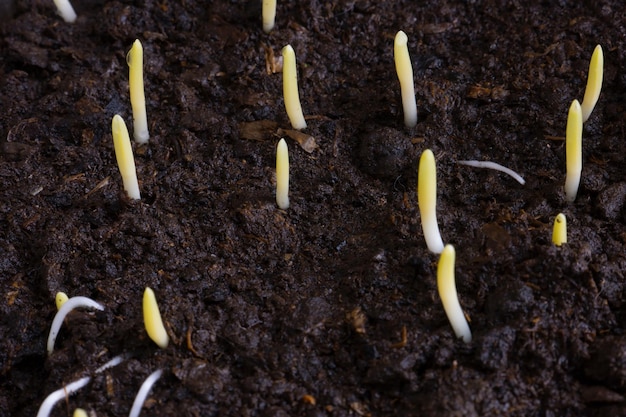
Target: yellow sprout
point(449, 298)
point(79, 412)
point(282, 175)
point(427, 201)
point(594, 82)
point(573, 151)
point(134, 59)
point(290, 89)
point(124, 156)
point(559, 231)
point(269, 15)
point(152, 319)
point(60, 299)
point(405, 75)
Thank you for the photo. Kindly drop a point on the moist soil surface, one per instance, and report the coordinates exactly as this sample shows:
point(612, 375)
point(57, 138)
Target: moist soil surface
point(328, 308)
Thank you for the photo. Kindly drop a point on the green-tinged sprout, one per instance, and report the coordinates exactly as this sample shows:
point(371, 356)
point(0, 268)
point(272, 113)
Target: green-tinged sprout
point(66, 11)
point(79, 412)
point(46, 407)
point(60, 299)
point(269, 15)
point(427, 201)
point(143, 392)
point(290, 89)
point(282, 175)
point(124, 155)
point(449, 298)
point(134, 59)
point(69, 305)
point(405, 75)
point(152, 320)
point(559, 231)
point(594, 82)
point(573, 151)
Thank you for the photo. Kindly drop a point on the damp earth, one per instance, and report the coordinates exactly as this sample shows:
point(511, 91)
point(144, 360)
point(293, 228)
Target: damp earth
point(328, 308)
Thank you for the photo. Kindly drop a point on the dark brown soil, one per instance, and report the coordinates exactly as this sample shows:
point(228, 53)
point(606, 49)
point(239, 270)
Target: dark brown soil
point(301, 312)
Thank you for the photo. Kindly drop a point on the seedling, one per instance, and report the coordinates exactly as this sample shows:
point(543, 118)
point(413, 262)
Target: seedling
point(134, 59)
point(269, 15)
point(559, 231)
point(60, 299)
point(65, 10)
point(497, 167)
point(290, 89)
point(282, 175)
point(124, 155)
point(405, 75)
point(449, 298)
point(427, 201)
point(140, 399)
point(46, 407)
point(594, 82)
point(152, 319)
point(573, 150)
point(69, 305)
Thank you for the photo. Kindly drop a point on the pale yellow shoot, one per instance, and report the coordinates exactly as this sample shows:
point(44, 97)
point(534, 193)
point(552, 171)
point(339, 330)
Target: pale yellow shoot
point(269, 15)
point(594, 82)
point(60, 299)
point(124, 156)
point(290, 89)
point(79, 412)
point(405, 75)
point(427, 201)
point(447, 292)
point(282, 175)
point(152, 319)
point(134, 59)
point(559, 231)
point(573, 151)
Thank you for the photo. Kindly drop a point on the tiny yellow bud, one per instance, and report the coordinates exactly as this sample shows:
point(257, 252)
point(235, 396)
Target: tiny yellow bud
point(124, 156)
point(573, 151)
point(282, 175)
point(447, 292)
point(290, 89)
point(152, 319)
point(427, 201)
point(79, 412)
point(134, 59)
point(594, 82)
point(559, 231)
point(404, 70)
point(269, 15)
point(60, 299)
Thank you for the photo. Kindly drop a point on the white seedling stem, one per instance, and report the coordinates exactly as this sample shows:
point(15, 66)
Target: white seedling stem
point(69, 305)
point(46, 407)
point(140, 399)
point(65, 10)
point(496, 166)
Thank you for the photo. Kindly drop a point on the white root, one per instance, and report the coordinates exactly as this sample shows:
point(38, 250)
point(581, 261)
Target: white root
point(143, 392)
point(497, 167)
point(68, 306)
